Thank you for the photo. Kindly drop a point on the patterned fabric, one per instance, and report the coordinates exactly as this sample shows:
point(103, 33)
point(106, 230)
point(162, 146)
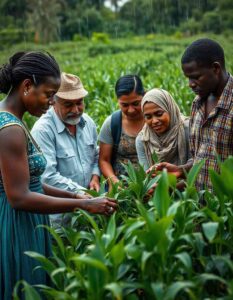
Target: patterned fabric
point(18, 229)
point(126, 152)
point(213, 135)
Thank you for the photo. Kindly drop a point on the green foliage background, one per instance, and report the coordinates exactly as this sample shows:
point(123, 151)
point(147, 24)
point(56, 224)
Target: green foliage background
point(170, 248)
point(64, 19)
point(155, 58)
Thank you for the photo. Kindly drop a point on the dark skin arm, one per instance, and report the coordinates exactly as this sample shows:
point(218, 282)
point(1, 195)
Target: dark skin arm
point(178, 171)
point(55, 192)
point(105, 157)
point(16, 177)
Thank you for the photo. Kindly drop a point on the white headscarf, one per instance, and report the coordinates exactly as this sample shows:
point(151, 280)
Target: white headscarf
point(171, 145)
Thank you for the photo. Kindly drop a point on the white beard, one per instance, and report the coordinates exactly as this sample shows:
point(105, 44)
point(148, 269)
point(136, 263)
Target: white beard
point(72, 121)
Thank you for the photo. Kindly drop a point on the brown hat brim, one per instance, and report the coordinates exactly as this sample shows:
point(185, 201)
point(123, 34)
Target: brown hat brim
point(73, 95)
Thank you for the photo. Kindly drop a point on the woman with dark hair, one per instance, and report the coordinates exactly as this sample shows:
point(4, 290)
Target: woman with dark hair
point(118, 133)
point(30, 80)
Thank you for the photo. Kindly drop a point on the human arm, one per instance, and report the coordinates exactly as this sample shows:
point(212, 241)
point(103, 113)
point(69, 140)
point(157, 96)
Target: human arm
point(178, 171)
point(105, 162)
point(96, 169)
point(16, 178)
point(56, 192)
point(95, 179)
point(106, 151)
point(141, 153)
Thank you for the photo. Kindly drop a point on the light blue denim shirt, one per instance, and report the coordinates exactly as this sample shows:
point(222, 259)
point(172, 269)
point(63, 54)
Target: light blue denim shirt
point(71, 160)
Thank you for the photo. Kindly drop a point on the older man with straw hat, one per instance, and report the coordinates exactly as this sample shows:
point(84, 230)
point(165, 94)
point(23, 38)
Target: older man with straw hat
point(68, 139)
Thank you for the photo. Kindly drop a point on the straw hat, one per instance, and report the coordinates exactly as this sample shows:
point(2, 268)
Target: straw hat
point(71, 87)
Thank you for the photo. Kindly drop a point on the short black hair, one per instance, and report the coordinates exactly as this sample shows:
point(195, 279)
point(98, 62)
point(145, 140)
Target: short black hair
point(204, 52)
point(127, 84)
point(34, 65)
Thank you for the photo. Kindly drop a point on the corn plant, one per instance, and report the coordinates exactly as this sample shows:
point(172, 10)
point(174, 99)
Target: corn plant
point(172, 247)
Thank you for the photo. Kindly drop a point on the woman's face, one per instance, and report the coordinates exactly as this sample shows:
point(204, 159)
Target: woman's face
point(156, 118)
point(130, 105)
point(38, 99)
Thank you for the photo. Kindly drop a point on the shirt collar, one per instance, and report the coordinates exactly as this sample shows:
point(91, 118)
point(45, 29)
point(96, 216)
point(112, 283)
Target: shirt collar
point(82, 122)
point(60, 124)
point(224, 101)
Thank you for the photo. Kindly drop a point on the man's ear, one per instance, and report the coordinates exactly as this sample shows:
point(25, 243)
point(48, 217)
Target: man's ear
point(217, 67)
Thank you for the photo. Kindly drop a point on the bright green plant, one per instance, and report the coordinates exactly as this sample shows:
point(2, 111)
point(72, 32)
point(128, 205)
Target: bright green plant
point(171, 248)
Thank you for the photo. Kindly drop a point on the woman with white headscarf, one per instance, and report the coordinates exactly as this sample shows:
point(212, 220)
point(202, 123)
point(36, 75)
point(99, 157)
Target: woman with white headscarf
point(165, 133)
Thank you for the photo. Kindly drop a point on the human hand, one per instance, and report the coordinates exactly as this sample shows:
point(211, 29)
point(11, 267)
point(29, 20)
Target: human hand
point(111, 181)
point(95, 183)
point(83, 196)
point(100, 205)
point(150, 192)
point(152, 170)
point(172, 169)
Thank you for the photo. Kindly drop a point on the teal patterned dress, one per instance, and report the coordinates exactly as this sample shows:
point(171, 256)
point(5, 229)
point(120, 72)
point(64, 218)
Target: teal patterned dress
point(18, 229)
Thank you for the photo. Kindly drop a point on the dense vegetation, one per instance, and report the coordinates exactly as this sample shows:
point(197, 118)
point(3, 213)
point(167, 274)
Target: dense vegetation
point(155, 58)
point(72, 19)
point(168, 248)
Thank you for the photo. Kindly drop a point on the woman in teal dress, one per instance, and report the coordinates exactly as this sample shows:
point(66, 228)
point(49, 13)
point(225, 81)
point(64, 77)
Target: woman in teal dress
point(30, 80)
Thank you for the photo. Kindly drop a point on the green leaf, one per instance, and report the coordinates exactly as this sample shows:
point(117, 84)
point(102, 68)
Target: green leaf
point(203, 278)
point(56, 237)
point(173, 208)
point(116, 290)
point(58, 276)
point(210, 230)
point(161, 198)
point(45, 262)
point(90, 261)
point(145, 256)
point(154, 158)
point(54, 294)
point(185, 258)
point(93, 193)
point(192, 174)
point(92, 222)
point(226, 261)
point(111, 230)
point(217, 183)
point(176, 287)
point(148, 217)
point(28, 291)
point(132, 227)
point(133, 251)
point(117, 253)
point(131, 171)
point(158, 290)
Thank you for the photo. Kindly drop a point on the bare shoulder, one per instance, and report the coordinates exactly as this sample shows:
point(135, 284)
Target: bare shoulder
point(12, 137)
